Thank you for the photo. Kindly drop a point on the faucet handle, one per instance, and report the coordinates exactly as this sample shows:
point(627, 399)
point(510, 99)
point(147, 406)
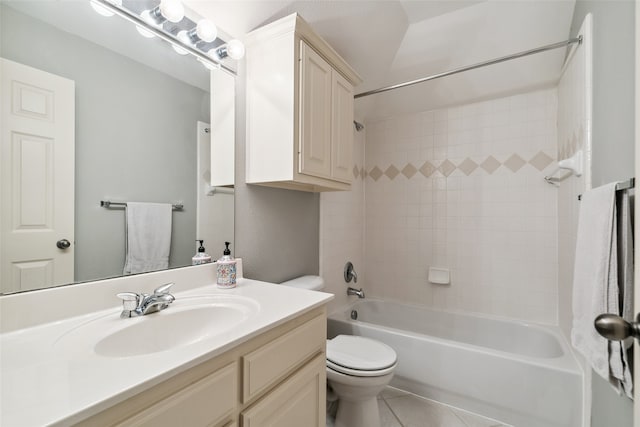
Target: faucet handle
point(163, 290)
point(130, 300)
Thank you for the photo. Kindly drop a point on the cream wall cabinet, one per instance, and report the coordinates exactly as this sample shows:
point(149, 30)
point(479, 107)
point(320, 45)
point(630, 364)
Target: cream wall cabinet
point(281, 370)
point(299, 109)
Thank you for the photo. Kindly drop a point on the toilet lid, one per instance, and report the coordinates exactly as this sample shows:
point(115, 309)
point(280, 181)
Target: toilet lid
point(357, 353)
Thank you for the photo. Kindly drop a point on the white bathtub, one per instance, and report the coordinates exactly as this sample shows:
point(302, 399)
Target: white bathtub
point(521, 374)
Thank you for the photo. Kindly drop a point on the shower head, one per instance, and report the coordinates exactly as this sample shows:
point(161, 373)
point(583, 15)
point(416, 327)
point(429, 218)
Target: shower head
point(359, 126)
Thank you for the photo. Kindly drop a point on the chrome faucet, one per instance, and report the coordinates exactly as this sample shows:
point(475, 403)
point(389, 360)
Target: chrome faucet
point(134, 305)
point(354, 291)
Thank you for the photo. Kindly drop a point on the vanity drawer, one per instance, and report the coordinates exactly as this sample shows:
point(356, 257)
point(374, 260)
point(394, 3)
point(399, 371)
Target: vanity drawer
point(268, 364)
point(203, 403)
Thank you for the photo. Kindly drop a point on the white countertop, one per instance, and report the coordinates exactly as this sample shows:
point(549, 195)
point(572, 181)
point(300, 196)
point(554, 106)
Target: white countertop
point(42, 383)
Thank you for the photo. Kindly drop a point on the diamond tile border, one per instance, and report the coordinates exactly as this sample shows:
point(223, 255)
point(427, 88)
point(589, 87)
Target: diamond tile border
point(490, 164)
point(446, 168)
point(468, 166)
point(514, 163)
point(409, 170)
point(391, 172)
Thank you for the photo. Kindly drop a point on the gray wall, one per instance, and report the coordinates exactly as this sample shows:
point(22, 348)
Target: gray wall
point(135, 138)
point(277, 231)
point(613, 139)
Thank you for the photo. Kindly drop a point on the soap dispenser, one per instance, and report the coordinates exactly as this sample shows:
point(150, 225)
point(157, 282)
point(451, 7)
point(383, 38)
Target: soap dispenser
point(201, 257)
point(226, 269)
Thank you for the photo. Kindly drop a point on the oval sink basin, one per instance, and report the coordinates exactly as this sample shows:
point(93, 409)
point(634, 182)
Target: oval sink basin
point(185, 322)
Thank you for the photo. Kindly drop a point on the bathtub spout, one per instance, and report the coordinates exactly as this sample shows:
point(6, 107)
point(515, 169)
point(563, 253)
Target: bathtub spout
point(354, 291)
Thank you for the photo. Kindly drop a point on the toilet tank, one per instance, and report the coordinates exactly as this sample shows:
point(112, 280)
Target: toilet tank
point(313, 283)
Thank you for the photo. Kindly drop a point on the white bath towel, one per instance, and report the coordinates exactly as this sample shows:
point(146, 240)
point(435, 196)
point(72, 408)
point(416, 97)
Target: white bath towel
point(148, 237)
point(595, 276)
point(599, 272)
point(621, 377)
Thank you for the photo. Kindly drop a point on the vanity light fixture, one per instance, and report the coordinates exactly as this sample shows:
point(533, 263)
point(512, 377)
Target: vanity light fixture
point(234, 49)
point(195, 41)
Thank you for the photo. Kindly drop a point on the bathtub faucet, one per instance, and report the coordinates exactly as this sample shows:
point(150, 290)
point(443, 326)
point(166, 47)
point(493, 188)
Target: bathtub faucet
point(354, 291)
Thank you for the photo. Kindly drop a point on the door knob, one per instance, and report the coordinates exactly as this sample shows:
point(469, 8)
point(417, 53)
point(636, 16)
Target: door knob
point(615, 328)
point(63, 244)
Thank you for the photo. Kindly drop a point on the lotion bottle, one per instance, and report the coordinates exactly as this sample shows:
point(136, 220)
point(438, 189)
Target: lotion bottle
point(226, 269)
point(201, 257)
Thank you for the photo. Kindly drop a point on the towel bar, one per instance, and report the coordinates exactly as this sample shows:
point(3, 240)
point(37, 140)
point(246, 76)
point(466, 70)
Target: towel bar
point(107, 204)
point(624, 185)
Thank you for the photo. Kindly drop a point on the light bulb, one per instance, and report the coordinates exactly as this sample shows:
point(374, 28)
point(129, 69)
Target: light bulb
point(235, 49)
point(206, 30)
point(173, 10)
point(183, 36)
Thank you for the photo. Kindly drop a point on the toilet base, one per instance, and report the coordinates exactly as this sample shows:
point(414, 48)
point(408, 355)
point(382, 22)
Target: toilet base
point(357, 398)
point(358, 414)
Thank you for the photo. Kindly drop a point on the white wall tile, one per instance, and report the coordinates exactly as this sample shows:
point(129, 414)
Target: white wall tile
point(488, 229)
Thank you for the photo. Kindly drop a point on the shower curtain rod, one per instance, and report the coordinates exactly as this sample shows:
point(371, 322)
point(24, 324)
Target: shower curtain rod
point(473, 67)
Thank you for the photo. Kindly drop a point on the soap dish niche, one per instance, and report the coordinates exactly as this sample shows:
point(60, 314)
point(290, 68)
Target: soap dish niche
point(439, 276)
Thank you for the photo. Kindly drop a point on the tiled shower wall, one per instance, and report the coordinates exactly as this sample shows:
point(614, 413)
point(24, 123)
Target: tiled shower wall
point(342, 230)
point(462, 188)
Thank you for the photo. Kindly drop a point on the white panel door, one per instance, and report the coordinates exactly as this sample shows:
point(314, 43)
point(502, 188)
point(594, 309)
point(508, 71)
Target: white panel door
point(37, 171)
point(315, 114)
point(214, 213)
point(342, 129)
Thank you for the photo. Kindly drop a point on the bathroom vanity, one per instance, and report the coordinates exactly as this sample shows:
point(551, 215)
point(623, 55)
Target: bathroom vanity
point(250, 356)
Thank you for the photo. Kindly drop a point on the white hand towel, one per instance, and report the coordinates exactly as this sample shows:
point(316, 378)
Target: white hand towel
point(595, 277)
point(148, 237)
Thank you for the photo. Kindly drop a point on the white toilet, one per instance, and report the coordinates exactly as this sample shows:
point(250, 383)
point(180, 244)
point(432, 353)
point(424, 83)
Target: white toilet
point(358, 368)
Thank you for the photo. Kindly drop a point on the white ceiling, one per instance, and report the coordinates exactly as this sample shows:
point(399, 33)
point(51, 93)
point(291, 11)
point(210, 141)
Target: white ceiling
point(390, 42)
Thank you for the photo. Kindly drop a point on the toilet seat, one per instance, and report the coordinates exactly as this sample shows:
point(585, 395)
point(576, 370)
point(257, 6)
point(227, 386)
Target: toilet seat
point(360, 356)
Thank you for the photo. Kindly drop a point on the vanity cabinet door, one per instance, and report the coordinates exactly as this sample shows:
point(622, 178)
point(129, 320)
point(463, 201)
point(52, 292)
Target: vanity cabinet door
point(298, 401)
point(265, 366)
point(210, 401)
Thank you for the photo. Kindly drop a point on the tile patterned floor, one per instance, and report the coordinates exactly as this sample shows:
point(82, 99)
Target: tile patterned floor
point(401, 409)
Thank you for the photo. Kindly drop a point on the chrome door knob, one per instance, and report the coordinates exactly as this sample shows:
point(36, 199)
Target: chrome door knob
point(615, 328)
point(63, 244)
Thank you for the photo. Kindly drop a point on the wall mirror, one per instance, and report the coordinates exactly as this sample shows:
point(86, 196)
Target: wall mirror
point(141, 126)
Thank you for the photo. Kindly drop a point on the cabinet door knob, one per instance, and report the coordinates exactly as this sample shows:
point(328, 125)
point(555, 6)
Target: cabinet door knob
point(615, 328)
point(63, 244)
